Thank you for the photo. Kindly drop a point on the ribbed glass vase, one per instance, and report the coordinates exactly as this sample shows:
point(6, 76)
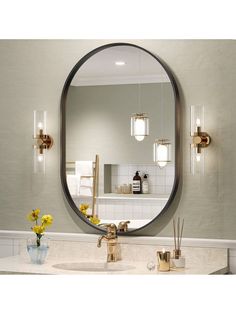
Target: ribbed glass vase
point(37, 252)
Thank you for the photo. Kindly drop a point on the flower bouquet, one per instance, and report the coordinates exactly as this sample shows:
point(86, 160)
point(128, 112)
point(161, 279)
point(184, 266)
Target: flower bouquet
point(37, 247)
point(83, 209)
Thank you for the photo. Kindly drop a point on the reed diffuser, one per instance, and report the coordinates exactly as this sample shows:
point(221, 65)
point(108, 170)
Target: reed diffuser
point(178, 233)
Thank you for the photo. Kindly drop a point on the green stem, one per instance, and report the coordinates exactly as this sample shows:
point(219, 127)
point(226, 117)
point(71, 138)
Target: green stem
point(37, 235)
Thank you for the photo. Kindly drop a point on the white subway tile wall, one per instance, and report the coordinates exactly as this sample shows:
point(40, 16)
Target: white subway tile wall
point(160, 180)
point(124, 207)
point(129, 209)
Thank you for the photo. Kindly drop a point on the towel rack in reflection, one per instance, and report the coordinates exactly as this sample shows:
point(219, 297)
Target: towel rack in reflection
point(95, 178)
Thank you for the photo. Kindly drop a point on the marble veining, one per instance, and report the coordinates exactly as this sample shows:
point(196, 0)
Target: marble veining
point(199, 260)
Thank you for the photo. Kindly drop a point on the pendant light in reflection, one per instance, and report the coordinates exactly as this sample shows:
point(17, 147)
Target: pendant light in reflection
point(162, 146)
point(139, 121)
point(162, 152)
point(139, 126)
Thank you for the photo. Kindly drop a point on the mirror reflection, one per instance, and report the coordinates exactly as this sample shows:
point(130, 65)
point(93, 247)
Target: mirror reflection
point(120, 137)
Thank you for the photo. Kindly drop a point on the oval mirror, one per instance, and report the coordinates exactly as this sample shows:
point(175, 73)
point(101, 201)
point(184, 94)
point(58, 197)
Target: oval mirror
point(120, 137)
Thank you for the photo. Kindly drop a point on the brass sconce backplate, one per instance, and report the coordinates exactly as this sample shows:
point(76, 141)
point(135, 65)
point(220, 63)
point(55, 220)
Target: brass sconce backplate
point(200, 140)
point(43, 141)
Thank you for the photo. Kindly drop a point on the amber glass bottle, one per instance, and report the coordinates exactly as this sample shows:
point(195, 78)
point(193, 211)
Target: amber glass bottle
point(137, 186)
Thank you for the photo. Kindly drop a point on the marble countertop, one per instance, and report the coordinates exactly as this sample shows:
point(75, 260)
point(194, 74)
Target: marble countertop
point(21, 265)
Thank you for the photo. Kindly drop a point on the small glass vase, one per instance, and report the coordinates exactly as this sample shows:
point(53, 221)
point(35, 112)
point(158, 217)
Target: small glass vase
point(36, 252)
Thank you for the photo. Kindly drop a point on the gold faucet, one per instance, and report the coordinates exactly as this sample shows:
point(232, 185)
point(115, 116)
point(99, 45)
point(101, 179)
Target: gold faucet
point(123, 226)
point(112, 242)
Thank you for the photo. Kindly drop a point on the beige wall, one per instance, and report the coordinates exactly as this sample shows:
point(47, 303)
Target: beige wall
point(98, 122)
point(32, 77)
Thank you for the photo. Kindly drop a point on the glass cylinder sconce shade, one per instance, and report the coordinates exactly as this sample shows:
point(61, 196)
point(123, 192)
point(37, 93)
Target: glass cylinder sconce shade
point(197, 118)
point(139, 126)
point(162, 152)
point(43, 141)
point(200, 140)
point(39, 161)
point(40, 122)
point(197, 162)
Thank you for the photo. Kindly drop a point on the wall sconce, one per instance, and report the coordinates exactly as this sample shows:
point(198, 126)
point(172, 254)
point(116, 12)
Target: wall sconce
point(42, 139)
point(162, 152)
point(200, 139)
point(139, 126)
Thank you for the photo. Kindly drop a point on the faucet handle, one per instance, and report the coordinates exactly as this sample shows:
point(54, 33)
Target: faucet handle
point(123, 226)
point(111, 228)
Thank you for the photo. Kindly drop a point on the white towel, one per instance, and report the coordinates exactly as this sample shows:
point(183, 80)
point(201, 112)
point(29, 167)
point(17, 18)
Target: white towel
point(85, 191)
point(84, 168)
point(73, 182)
point(88, 182)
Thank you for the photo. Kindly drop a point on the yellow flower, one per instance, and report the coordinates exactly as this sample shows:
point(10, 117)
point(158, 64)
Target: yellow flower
point(38, 229)
point(83, 207)
point(47, 220)
point(34, 215)
point(94, 220)
point(84, 211)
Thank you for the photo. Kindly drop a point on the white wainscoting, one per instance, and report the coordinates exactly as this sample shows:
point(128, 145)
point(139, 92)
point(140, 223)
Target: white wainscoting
point(232, 260)
point(10, 242)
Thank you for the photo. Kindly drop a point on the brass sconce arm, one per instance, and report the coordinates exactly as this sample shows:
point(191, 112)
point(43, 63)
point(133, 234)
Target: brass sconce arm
point(43, 141)
point(200, 140)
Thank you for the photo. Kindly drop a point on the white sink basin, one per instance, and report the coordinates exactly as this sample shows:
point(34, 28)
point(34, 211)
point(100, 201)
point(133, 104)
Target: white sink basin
point(93, 267)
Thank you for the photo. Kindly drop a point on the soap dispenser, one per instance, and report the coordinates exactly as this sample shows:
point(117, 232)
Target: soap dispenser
point(145, 185)
point(137, 183)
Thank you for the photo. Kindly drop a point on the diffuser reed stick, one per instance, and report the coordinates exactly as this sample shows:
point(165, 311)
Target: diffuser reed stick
point(174, 233)
point(178, 234)
point(181, 235)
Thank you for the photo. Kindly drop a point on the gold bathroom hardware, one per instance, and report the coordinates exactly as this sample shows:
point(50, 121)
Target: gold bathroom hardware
point(163, 259)
point(112, 242)
point(123, 226)
point(43, 141)
point(200, 140)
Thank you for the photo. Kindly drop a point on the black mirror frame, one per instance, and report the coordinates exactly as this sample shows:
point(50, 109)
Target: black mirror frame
point(63, 134)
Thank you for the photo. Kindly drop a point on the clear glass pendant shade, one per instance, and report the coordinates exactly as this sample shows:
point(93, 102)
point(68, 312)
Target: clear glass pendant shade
point(162, 152)
point(139, 126)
